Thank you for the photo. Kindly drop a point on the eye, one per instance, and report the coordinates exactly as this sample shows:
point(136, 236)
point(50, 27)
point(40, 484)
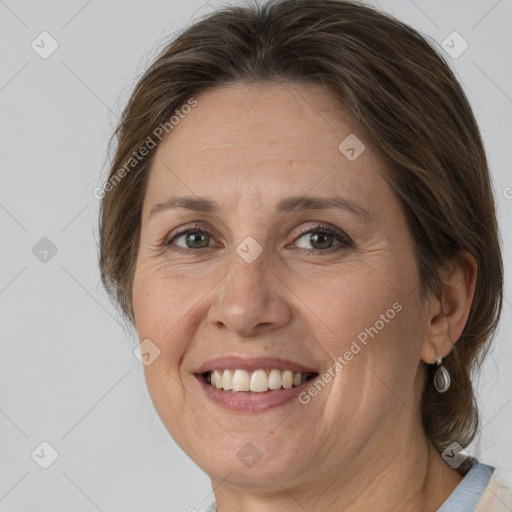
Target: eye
point(322, 238)
point(192, 238)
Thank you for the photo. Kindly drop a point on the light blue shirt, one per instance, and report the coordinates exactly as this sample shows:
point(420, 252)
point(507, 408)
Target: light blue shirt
point(465, 496)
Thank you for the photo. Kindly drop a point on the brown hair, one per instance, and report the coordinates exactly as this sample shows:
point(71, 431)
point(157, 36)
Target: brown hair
point(408, 105)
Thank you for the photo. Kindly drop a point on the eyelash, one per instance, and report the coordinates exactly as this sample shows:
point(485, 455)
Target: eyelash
point(343, 239)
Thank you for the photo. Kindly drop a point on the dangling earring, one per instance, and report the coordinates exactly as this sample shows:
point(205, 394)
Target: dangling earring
point(441, 377)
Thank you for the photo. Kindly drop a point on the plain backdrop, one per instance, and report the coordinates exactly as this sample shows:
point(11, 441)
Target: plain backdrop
point(68, 374)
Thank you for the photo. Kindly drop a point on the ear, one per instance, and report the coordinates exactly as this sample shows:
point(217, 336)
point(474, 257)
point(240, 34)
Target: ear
point(448, 314)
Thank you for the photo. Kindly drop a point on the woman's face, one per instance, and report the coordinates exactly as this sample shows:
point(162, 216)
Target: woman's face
point(268, 282)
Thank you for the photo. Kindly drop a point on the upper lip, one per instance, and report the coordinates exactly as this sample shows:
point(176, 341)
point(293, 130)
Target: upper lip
point(252, 364)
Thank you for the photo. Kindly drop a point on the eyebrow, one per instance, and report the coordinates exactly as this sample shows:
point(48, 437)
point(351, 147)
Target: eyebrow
point(288, 205)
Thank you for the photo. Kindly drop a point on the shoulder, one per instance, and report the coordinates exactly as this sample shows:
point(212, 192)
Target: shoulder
point(483, 489)
point(497, 496)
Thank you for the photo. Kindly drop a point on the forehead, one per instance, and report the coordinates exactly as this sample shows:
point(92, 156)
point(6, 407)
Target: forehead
point(265, 118)
point(260, 138)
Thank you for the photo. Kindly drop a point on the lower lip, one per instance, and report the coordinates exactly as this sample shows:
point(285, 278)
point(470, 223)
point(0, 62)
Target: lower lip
point(251, 401)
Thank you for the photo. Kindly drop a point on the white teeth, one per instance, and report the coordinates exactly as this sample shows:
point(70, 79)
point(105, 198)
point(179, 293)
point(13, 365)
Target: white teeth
point(217, 379)
point(227, 380)
point(287, 379)
point(258, 381)
point(240, 380)
point(274, 379)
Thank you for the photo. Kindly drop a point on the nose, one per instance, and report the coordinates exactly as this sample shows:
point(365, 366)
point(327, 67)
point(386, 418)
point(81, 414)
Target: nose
point(250, 299)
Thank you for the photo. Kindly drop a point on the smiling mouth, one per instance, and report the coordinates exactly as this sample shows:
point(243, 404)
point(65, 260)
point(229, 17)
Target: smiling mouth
point(258, 381)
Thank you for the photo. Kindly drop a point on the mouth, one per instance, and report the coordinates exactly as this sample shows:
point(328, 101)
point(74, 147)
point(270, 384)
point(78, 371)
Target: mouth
point(258, 381)
point(253, 384)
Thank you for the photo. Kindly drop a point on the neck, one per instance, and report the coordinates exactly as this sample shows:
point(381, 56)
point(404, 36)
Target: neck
point(406, 475)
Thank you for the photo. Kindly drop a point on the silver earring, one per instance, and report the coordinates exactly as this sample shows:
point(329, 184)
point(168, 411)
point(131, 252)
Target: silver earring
point(441, 377)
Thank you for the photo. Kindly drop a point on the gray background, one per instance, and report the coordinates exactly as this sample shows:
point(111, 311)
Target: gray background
point(68, 374)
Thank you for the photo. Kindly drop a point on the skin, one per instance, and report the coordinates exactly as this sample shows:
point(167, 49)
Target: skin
point(358, 444)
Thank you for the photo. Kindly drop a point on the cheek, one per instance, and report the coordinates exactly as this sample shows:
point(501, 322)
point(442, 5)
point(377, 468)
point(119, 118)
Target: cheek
point(161, 307)
point(368, 322)
point(347, 306)
point(161, 300)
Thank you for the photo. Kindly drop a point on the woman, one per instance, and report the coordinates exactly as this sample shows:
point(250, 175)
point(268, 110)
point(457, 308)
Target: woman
point(299, 223)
